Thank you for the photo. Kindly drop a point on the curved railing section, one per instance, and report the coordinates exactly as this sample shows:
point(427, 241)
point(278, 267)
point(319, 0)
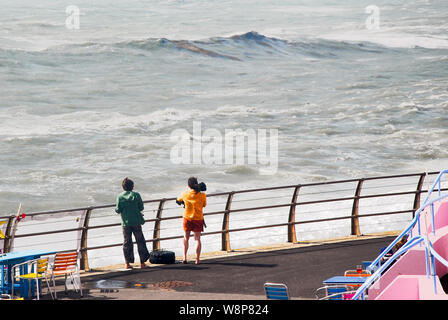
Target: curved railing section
point(360, 293)
point(438, 183)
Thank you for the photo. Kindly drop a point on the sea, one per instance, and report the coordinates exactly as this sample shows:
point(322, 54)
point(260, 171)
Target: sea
point(92, 92)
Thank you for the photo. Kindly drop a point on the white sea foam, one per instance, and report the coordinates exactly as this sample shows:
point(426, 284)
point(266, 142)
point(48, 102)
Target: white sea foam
point(391, 38)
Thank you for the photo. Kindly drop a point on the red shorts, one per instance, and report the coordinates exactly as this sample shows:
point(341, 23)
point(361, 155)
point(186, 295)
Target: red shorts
point(193, 225)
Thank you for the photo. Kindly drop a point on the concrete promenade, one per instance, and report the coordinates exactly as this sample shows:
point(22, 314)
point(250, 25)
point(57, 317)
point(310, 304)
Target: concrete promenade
point(238, 275)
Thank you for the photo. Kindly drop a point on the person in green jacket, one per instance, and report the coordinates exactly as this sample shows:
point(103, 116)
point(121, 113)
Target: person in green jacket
point(130, 206)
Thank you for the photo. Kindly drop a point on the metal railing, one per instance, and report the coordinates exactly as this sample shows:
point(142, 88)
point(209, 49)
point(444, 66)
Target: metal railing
point(353, 214)
point(430, 253)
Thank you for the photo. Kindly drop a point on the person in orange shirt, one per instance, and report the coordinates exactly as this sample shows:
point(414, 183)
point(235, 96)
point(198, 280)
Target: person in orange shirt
point(193, 200)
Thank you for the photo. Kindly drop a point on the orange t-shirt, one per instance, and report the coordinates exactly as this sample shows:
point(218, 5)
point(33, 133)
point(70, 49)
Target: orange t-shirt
point(194, 202)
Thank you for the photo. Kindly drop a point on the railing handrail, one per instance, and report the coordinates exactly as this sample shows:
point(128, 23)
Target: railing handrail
point(292, 204)
point(413, 222)
point(369, 281)
point(397, 254)
point(252, 190)
point(385, 251)
point(436, 254)
point(436, 182)
point(409, 244)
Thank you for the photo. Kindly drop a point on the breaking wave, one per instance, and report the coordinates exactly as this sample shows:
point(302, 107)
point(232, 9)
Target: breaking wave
point(236, 47)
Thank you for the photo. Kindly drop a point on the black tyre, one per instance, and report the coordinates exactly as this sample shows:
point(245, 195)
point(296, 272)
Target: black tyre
point(162, 257)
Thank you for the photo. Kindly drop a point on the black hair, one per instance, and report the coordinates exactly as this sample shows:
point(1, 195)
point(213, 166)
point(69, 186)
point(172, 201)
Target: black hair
point(127, 184)
point(198, 187)
point(193, 184)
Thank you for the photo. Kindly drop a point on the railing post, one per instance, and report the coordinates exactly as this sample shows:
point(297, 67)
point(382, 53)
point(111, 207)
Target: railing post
point(8, 239)
point(292, 237)
point(156, 233)
point(421, 180)
point(225, 238)
point(84, 260)
point(355, 210)
point(11, 231)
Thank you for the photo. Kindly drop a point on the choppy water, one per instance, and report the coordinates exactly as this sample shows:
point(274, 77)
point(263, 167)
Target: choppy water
point(81, 109)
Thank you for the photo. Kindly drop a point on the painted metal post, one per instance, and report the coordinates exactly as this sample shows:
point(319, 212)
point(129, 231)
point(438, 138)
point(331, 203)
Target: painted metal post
point(292, 237)
point(156, 233)
point(8, 240)
point(355, 210)
point(11, 232)
point(432, 219)
point(434, 275)
point(84, 261)
point(421, 180)
point(225, 238)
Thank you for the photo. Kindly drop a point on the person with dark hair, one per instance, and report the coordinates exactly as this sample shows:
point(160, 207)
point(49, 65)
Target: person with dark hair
point(193, 200)
point(129, 206)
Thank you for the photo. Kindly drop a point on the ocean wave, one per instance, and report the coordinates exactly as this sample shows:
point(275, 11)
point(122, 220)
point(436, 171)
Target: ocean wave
point(39, 24)
point(234, 47)
point(393, 38)
point(239, 170)
point(23, 127)
point(240, 43)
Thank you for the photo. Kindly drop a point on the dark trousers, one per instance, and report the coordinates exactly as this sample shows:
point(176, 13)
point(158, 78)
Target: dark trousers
point(128, 247)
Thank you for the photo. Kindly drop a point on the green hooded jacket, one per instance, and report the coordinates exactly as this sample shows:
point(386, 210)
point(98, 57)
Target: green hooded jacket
point(130, 206)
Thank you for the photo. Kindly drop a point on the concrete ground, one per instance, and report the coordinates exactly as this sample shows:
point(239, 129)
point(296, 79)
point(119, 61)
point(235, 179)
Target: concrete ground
point(237, 275)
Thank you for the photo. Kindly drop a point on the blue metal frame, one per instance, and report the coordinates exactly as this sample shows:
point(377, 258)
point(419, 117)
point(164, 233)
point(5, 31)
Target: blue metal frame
point(13, 258)
point(430, 253)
